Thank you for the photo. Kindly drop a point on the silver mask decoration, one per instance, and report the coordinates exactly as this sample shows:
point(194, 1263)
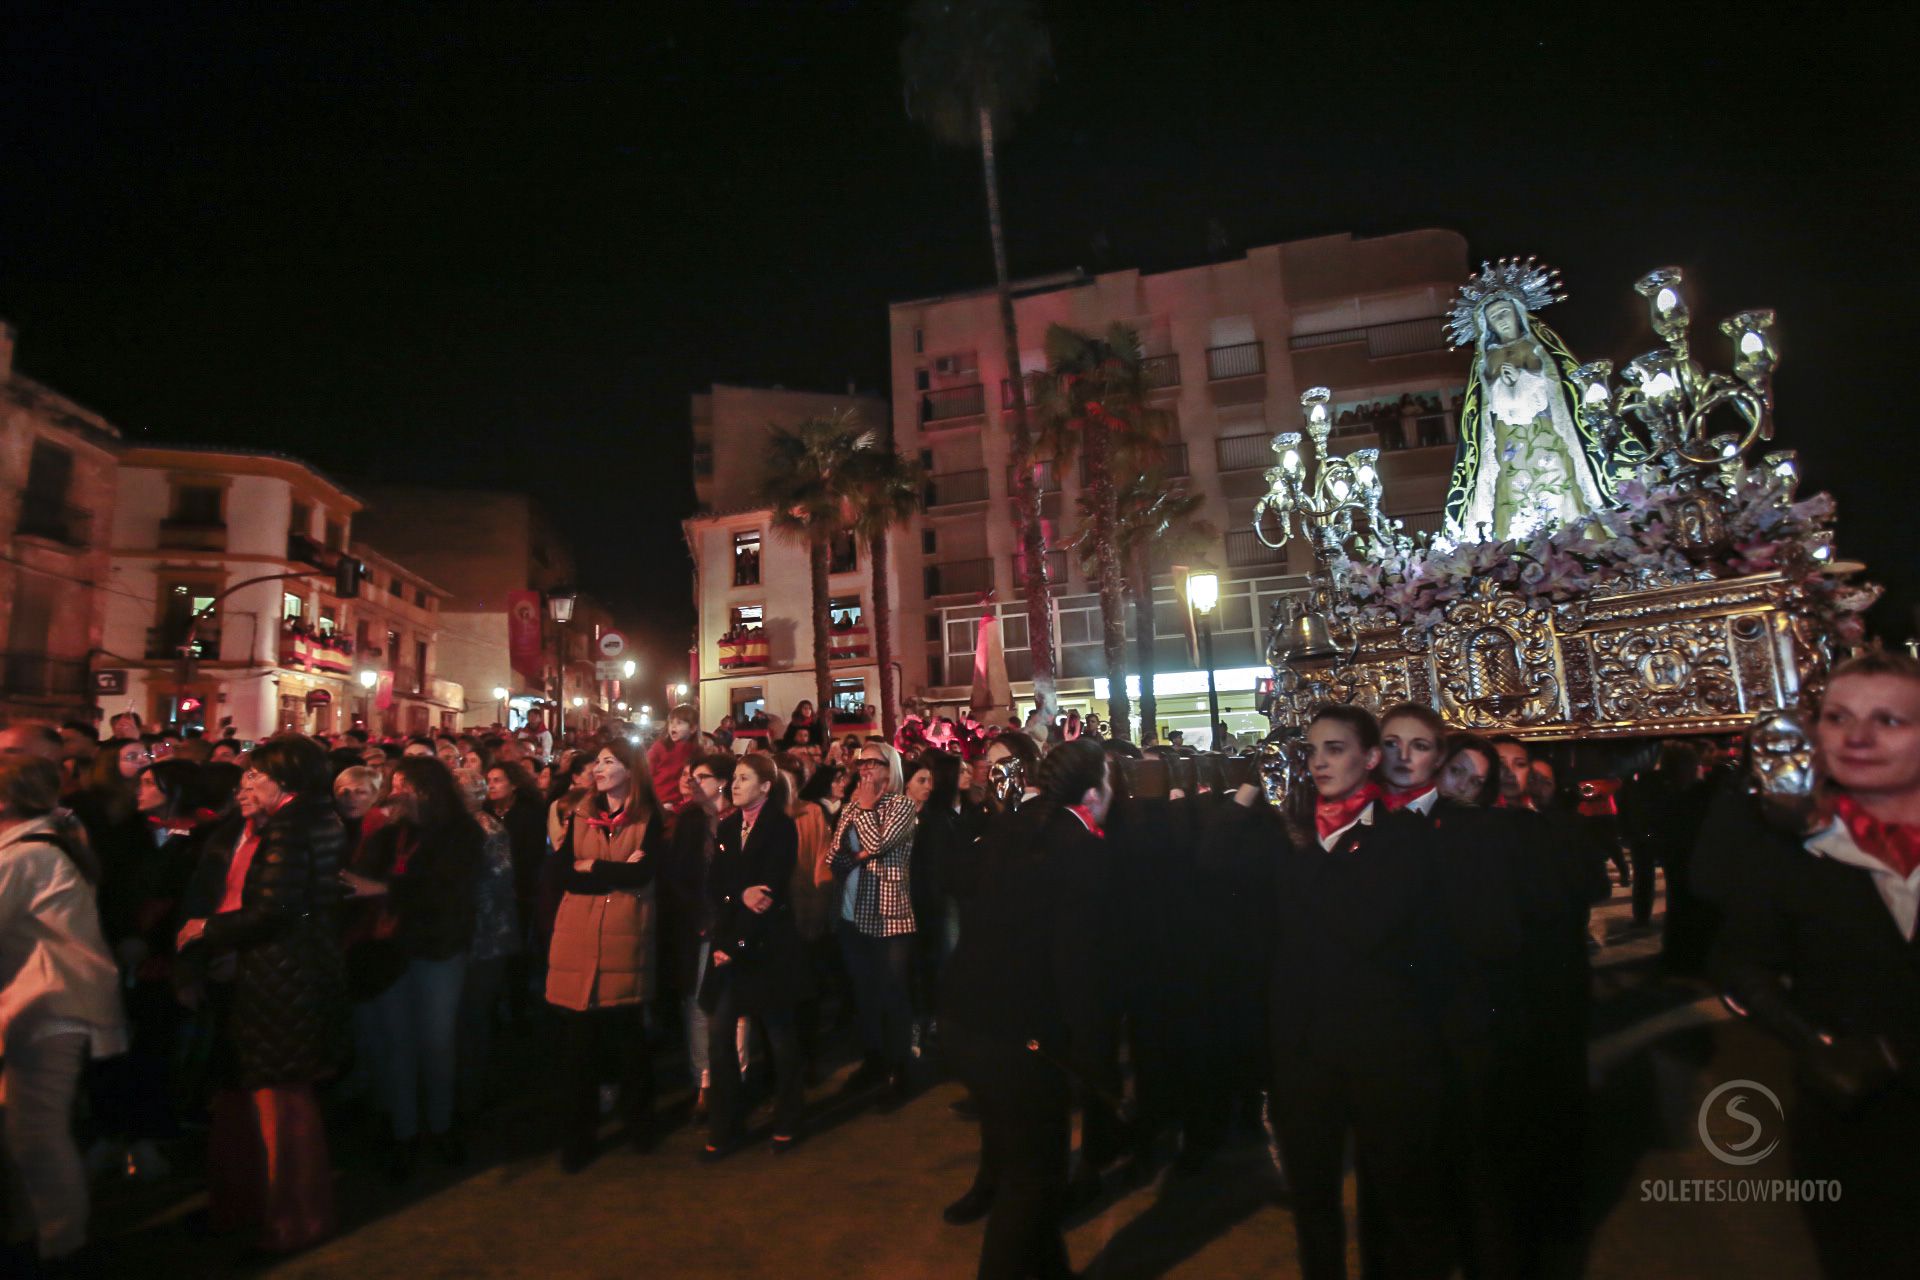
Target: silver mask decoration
point(1282, 761)
point(1007, 780)
point(1780, 768)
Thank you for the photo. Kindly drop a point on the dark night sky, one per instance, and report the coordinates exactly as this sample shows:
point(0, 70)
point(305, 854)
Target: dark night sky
point(499, 245)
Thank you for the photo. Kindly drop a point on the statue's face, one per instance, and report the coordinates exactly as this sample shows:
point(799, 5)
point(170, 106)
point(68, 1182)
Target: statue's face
point(1781, 757)
point(1503, 321)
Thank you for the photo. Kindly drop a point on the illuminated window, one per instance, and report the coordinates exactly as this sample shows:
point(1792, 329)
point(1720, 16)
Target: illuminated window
point(849, 694)
point(292, 607)
point(843, 554)
point(746, 559)
point(846, 612)
point(748, 617)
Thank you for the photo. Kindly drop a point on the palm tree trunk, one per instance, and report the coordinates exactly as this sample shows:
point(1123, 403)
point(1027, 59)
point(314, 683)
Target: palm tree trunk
point(1113, 622)
point(1143, 638)
point(878, 557)
point(822, 600)
point(1026, 501)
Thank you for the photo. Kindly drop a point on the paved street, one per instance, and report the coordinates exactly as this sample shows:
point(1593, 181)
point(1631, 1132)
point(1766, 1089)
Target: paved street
point(862, 1196)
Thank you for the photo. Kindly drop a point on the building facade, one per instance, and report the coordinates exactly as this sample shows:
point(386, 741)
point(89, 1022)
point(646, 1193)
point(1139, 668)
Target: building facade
point(1229, 349)
point(480, 547)
point(752, 586)
point(221, 607)
point(56, 508)
point(395, 632)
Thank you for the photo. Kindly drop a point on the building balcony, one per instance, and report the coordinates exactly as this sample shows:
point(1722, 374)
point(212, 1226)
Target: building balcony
point(1244, 550)
point(1244, 453)
point(409, 682)
point(35, 675)
point(1046, 477)
point(1168, 460)
point(1056, 569)
point(1160, 372)
point(305, 650)
point(952, 404)
point(959, 577)
point(1006, 391)
point(956, 488)
point(193, 535)
point(57, 522)
point(1396, 338)
point(741, 649)
point(1241, 360)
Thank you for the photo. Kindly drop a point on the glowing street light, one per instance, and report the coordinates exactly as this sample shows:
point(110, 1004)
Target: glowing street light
point(1203, 593)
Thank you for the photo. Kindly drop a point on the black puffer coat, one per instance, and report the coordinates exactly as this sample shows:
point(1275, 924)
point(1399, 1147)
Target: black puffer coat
point(286, 1023)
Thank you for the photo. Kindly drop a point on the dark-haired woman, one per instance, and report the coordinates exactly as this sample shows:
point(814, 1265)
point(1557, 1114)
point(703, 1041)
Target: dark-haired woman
point(513, 798)
point(264, 929)
point(427, 862)
point(1025, 1014)
point(933, 784)
point(602, 968)
point(756, 968)
point(1357, 997)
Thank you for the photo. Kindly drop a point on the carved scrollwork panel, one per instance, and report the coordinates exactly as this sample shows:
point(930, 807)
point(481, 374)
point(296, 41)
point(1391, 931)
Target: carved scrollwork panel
point(1496, 663)
point(1672, 670)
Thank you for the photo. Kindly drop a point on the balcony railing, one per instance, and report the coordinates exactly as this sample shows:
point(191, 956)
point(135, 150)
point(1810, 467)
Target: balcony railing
point(949, 403)
point(1241, 360)
point(1046, 475)
point(1160, 371)
point(1244, 548)
point(407, 680)
point(956, 487)
point(1244, 453)
point(41, 517)
point(1169, 460)
point(959, 577)
point(1056, 569)
point(35, 675)
point(1006, 391)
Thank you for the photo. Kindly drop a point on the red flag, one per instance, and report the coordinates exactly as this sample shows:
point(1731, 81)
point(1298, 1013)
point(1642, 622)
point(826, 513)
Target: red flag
point(523, 633)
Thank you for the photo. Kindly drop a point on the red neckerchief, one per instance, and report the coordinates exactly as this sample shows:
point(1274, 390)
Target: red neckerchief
point(1397, 800)
point(180, 826)
point(1330, 816)
point(613, 823)
point(1085, 815)
point(1897, 844)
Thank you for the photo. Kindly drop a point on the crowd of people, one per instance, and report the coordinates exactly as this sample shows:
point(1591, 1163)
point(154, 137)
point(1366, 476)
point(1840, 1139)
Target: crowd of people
point(247, 937)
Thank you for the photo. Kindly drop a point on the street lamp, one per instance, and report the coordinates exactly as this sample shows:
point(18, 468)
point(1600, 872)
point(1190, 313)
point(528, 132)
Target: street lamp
point(368, 679)
point(1203, 593)
point(560, 606)
point(628, 668)
point(500, 696)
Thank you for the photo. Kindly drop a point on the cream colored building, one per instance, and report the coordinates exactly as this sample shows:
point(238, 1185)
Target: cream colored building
point(752, 590)
point(1231, 346)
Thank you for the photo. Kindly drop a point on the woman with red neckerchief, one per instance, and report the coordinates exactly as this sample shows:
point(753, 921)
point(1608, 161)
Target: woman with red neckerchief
point(1819, 948)
point(1361, 967)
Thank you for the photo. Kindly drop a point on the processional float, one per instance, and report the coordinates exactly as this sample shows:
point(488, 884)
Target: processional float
point(1613, 563)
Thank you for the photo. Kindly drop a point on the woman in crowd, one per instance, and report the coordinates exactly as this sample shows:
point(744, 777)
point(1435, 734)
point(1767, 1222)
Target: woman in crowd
point(602, 969)
point(497, 942)
point(58, 1007)
point(1818, 948)
point(813, 901)
point(426, 864)
point(686, 923)
point(1026, 1010)
point(755, 968)
point(514, 800)
point(934, 787)
point(1356, 1003)
point(356, 798)
point(872, 854)
point(263, 928)
point(1469, 772)
point(131, 1101)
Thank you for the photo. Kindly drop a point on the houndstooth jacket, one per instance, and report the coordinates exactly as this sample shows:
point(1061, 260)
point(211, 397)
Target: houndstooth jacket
point(883, 902)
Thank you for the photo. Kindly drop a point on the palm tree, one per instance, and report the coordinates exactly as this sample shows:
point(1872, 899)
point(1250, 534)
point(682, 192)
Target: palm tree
point(1154, 519)
point(885, 489)
point(1093, 401)
point(809, 473)
point(969, 67)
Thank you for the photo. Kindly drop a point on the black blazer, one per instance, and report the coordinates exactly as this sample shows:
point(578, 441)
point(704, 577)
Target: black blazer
point(766, 964)
point(1030, 965)
point(1362, 962)
point(1820, 925)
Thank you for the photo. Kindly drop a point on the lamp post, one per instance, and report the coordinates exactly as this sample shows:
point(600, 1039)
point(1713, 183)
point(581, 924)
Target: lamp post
point(500, 696)
point(560, 602)
point(1203, 593)
point(368, 679)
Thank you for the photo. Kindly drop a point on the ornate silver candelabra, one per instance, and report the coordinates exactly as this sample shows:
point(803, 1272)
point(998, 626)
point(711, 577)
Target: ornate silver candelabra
point(1323, 500)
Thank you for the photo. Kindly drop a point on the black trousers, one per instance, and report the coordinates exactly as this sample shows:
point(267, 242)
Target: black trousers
point(590, 1043)
point(1395, 1114)
point(1025, 1109)
point(724, 1107)
point(1869, 1153)
point(879, 968)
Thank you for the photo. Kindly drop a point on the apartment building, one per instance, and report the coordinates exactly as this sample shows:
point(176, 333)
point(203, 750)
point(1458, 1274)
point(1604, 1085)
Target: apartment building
point(56, 510)
point(254, 535)
point(1230, 346)
point(752, 587)
point(395, 627)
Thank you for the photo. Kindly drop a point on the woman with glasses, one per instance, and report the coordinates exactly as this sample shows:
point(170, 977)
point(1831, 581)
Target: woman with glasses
point(264, 935)
point(872, 854)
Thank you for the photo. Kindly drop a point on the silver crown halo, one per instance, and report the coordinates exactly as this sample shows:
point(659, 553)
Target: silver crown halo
point(1524, 281)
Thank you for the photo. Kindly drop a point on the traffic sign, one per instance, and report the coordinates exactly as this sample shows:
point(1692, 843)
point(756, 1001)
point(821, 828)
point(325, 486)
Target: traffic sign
point(609, 671)
point(109, 682)
point(612, 645)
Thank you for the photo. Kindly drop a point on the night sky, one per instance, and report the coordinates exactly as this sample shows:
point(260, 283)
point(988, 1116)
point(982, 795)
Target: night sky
point(495, 245)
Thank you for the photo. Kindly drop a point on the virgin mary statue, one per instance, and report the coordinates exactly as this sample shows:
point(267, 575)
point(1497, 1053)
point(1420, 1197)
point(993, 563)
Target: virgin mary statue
point(1524, 464)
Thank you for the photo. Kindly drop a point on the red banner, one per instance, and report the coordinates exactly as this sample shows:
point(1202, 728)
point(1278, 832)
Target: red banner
point(383, 692)
point(523, 633)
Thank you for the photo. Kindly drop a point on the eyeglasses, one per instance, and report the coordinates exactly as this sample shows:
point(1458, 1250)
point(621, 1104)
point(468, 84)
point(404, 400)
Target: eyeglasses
point(705, 777)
